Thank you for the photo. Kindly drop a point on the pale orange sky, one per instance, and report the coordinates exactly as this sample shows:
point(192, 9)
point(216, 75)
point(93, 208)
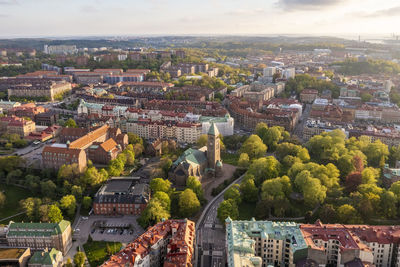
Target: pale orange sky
point(134, 17)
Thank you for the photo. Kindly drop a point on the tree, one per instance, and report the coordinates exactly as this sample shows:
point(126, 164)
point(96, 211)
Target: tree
point(188, 203)
point(70, 123)
point(366, 97)
point(264, 169)
point(76, 190)
point(348, 214)
point(92, 177)
point(130, 155)
point(394, 155)
point(253, 147)
point(79, 259)
point(3, 199)
point(68, 172)
point(165, 165)
point(86, 202)
point(244, 161)
point(153, 213)
point(370, 175)
point(277, 188)
point(33, 182)
point(69, 263)
point(353, 180)
point(134, 139)
point(328, 214)
point(54, 214)
point(202, 141)
point(164, 199)
point(13, 176)
point(116, 166)
point(389, 204)
point(44, 213)
point(227, 208)
point(313, 191)
point(68, 204)
point(31, 207)
point(233, 193)
point(377, 153)
point(159, 184)
point(193, 183)
point(249, 190)
point(48, 188)
point(272, 137)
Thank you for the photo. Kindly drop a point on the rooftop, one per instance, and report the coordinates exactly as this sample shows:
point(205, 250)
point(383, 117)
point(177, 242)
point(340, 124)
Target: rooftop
point(11, 253)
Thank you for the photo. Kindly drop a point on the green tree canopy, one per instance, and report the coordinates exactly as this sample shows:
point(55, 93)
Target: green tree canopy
point(188, 203)
point(227, 208)
point(253, 147)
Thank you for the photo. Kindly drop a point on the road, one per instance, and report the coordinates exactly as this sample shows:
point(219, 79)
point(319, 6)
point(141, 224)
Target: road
point(298, 131)
point(210, 234)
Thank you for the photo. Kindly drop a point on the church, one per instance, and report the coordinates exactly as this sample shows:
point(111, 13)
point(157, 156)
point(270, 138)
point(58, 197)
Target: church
point(203, 163)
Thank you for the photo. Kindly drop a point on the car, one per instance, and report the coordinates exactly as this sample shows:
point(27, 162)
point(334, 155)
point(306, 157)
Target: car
point(102, 231)
point(131, 232)
point(93, 231)
point(85, 218)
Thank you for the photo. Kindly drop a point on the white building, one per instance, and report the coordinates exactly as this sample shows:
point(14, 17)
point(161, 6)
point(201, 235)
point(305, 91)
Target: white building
point(289, 73)
point(269, 71)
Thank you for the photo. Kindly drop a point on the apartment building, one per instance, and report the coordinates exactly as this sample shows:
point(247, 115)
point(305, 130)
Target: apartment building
point(168, 243)
point(264, 243)
point(308, 95)
point(41, 89)
point(259, 243)
point(121, 196)
point(179, 131)
point(39, 236)
point(6, 105)
point(16, 125)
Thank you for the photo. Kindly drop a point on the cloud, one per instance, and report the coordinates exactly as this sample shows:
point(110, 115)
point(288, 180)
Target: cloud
point(8, 2)
point(89, 9)
point(390, 12)
point(245, 12)
point(307, 4)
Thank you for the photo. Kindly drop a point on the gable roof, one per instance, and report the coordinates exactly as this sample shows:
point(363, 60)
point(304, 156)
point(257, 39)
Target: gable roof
point(44, 257)
point(191, 156)
point(108, 145)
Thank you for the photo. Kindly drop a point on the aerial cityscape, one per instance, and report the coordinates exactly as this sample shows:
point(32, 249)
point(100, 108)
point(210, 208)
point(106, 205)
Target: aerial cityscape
point(213, 134)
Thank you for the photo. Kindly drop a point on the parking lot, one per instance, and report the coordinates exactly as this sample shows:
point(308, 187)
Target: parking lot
point(122, 229)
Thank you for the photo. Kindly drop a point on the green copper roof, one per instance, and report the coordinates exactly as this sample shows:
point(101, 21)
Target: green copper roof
point(213, 130)
point(44, 258)
point(37, 229)
point(192, 156)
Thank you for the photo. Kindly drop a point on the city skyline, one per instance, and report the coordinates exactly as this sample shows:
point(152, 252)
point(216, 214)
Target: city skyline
point(45, 18)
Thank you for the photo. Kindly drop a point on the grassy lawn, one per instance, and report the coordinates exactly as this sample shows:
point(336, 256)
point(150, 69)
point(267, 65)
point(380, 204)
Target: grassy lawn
point(230, 158)
point(13, 195)
point(96, 251)
point(246, 210)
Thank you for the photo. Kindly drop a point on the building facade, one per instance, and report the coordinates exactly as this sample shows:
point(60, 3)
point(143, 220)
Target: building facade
point(40, 236)
point(121, 196)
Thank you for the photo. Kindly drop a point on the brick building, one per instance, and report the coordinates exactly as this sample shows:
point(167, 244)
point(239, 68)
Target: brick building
point(40, 235)
point(121, 196)
point(168, 243)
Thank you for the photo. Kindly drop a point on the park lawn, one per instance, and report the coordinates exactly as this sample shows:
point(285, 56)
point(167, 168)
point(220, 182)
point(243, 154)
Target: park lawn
point(246, 210)
point(13, 195)
point(231, 159)
point(96, 251)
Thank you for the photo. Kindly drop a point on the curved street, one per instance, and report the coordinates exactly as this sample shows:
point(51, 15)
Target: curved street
point(210, 234)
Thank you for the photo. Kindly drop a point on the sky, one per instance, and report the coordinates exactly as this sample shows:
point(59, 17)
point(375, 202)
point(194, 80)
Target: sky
point(47, 18)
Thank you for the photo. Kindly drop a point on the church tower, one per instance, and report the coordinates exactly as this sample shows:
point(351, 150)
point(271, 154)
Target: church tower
point(213, 149)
